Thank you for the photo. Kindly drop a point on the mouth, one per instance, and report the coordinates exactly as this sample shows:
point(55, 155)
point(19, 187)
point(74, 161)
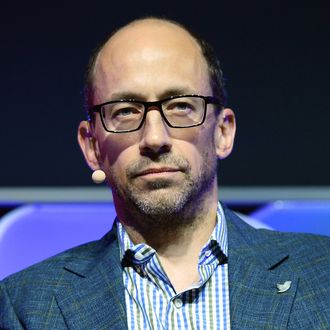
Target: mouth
point(155, 172)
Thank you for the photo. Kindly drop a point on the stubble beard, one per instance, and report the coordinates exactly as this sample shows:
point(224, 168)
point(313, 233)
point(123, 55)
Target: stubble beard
point(164, 204)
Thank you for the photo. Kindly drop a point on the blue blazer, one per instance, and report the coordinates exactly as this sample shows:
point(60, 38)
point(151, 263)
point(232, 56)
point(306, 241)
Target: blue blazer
point(82, 288)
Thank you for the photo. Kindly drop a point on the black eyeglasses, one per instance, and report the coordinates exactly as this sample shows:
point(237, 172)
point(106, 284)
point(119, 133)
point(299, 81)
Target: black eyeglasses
point(122, 116)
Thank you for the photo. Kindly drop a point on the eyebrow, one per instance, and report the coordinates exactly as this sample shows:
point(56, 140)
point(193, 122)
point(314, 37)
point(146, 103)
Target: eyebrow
point(165, 94)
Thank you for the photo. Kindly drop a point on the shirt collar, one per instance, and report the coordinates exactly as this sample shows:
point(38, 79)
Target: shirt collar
point(215, 248)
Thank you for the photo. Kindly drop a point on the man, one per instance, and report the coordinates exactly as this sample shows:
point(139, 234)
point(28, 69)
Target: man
point(175, 259)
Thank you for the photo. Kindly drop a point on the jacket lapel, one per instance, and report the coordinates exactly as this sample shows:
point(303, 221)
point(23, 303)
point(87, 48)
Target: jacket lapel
point(255, 270)
point(95, 298)
point(255, 302)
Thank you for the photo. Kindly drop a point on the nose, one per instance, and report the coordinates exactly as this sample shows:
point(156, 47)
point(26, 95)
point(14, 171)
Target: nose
point(155, 138)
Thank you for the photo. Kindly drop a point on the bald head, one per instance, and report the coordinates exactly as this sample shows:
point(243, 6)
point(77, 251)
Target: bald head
point(151, 39)
point(145, 30)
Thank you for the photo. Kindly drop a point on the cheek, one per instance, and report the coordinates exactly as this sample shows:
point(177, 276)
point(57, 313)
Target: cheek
point(117, 160)
point(124, 158)
point(114, 148)
point(198, 150)
point(110, 151)
point(110, 146)
point(197, 142)
point(116, 154)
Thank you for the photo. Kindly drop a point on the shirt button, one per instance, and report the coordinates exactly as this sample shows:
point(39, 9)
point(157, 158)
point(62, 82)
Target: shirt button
point(178, 303)
point(208, 253)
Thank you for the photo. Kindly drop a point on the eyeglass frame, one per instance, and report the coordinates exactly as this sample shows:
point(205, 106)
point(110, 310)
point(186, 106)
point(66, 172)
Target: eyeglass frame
point(158, 104)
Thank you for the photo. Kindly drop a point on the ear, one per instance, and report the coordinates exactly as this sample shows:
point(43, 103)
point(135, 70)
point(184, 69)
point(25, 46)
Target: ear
point(88, 145)
point(225, 133)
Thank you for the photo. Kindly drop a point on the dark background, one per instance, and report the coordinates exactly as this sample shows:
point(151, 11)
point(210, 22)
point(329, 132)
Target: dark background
point(275, 59)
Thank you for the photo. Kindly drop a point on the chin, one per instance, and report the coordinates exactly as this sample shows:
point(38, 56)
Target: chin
point(161, 201)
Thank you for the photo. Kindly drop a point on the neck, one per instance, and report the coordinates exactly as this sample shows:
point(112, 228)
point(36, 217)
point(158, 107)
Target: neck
point(178, 238)
point(163, 237)
point(197, 218)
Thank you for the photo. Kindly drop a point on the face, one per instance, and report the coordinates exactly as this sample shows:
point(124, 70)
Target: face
point(157, 170)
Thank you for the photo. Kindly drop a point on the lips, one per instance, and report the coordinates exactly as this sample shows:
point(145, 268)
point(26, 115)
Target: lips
point(157, 170)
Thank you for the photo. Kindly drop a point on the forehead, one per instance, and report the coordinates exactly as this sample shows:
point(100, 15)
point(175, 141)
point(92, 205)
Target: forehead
point(150, 57)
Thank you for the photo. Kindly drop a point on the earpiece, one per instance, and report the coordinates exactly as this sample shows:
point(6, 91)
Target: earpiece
point(98, 176)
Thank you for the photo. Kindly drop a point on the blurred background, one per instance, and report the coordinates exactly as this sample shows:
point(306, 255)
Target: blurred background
point(275, 59)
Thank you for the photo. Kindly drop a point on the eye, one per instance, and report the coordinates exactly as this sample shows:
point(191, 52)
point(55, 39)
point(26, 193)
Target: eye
point(180, 107)
point(125, 112)
point(122, 111)
point(183, 106)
